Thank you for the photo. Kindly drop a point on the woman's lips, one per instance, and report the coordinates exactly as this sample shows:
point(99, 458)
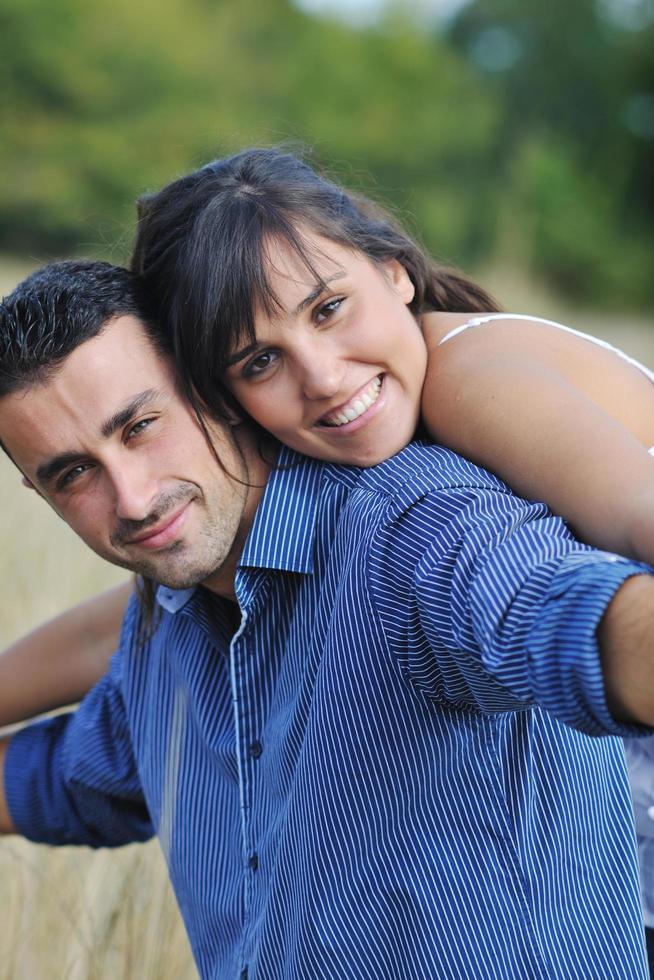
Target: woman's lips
point(343, 430)
point(355, 408)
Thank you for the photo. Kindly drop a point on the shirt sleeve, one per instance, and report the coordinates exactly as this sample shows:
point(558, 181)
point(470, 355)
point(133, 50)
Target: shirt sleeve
point(72, 779)
point(503, 605)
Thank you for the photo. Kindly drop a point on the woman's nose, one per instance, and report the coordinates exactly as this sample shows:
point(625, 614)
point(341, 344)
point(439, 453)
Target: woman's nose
point(322, 376)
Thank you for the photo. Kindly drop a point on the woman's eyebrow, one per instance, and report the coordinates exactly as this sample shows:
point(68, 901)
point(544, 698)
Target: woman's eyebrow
point(240, 354)
point(300, 308)
point(316, 291)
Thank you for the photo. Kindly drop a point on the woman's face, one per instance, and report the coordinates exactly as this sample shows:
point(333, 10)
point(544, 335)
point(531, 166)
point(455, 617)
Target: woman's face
point(335, 373)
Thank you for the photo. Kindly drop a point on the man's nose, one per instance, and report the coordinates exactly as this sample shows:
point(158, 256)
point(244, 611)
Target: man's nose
point(135, 492)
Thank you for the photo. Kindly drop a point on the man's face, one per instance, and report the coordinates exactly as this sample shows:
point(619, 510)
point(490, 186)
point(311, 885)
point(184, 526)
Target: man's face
point(116, 450)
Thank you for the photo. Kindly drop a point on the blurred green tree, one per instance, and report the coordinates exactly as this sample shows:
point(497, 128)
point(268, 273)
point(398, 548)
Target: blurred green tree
point(102, 103)
point(525, 129)
point(575, 145)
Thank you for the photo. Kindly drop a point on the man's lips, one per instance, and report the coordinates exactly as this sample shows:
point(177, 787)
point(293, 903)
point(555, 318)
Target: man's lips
point(163, 533)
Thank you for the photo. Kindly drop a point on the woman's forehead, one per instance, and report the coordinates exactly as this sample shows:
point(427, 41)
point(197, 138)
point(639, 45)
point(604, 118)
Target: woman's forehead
point(306, 260)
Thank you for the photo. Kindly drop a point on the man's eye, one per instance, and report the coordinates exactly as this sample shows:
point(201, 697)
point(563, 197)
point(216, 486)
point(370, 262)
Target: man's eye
point(138, 427)
point(259, 364)
point(71, 475)
point(327, 310)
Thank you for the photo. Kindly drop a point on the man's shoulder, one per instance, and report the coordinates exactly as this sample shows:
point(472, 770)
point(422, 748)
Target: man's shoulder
point(423, 467)
point(428, 481)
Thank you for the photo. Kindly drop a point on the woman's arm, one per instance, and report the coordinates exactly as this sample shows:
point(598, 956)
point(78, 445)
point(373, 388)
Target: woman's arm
point(58, 662)
point(497, 398)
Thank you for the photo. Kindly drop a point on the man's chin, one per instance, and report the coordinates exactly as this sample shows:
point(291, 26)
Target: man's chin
point(175, 578)
point(169, 570)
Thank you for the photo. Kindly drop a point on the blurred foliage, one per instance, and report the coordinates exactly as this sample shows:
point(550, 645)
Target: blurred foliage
point(573, 153)
point(520, 130)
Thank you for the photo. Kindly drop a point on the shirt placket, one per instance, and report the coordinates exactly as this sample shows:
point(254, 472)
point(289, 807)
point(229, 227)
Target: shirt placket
point(249, 750)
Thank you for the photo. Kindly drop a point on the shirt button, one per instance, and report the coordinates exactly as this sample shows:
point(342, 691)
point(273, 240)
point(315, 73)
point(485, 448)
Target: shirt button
point(254, 862)
point(256, 748)
point(650, 812)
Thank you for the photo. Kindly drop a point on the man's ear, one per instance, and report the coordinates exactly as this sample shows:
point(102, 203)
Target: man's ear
point(400, 280)
point(30, 486)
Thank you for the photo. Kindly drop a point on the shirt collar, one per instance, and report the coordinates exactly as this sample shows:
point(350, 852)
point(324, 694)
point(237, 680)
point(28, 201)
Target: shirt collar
point(283, 530)
point(172, 600)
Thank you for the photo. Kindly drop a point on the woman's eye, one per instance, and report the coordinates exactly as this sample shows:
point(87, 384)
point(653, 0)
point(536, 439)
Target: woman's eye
point(326, 310)
point(259, 364)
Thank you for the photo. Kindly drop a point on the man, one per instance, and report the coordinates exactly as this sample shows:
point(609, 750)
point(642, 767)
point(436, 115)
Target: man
point(352, 720)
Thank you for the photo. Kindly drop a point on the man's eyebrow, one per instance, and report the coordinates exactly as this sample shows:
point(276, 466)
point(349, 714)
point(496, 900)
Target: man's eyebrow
point(300, 308)
point(120, 419)
point(48, 471)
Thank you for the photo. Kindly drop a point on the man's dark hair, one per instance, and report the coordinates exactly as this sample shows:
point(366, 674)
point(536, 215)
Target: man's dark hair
point(57, 308)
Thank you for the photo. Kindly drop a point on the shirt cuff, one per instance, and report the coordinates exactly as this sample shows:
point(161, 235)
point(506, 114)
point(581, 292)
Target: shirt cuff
point(30, 764)
point(563, 648)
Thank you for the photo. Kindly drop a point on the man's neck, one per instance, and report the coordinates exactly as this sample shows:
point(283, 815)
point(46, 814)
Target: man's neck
point(256, 473)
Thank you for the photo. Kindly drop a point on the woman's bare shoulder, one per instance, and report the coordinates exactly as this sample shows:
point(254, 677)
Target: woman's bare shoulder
point(463, 334)
point(511, 358)
point(502, 343)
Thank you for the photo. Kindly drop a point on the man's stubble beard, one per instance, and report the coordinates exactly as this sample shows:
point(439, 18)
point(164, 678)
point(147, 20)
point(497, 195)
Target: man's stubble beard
point(182, 566)
point(185, 564)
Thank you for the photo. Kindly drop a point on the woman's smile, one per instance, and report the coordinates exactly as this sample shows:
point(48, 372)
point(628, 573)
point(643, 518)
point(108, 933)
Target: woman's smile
point(356, 407)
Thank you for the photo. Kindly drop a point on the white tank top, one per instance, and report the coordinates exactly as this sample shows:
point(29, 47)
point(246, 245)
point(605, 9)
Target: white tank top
point(478, 321)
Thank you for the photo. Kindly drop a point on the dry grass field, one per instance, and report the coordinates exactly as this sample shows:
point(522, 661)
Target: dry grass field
point(74, 914)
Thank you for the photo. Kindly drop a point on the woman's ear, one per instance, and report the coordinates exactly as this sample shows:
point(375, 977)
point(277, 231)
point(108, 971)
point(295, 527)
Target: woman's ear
point(400, 280)
point(232, 416)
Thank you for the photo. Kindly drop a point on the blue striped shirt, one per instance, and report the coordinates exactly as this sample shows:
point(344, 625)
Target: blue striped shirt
point(355, 777)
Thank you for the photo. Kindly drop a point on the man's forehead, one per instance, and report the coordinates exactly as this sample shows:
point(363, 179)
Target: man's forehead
point(117, 363)
point(121, 338)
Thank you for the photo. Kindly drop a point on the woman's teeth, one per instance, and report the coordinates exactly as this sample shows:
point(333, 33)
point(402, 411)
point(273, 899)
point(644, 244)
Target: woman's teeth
point(357, 406)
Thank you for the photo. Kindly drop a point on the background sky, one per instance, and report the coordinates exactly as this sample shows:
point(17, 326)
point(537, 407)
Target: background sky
point(629, 13)
point(366, 11)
